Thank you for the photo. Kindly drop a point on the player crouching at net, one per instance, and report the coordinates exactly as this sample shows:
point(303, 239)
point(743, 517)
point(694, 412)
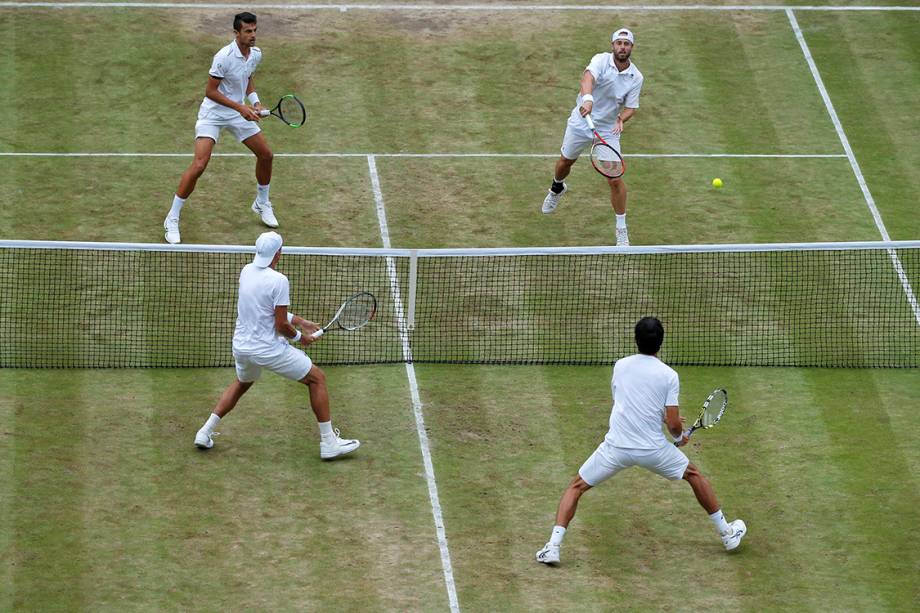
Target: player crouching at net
point(609, 92)
point(263, 329)
point(229, 80)
point(645, 392)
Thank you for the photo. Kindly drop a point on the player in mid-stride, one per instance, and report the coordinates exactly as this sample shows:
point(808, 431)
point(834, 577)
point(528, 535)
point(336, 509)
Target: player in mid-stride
point(609, 92)
point(645, 392)
point(263, 328)
point(229, 81)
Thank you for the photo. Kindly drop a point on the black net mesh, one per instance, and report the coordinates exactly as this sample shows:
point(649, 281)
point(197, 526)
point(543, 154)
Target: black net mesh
point(122, 308)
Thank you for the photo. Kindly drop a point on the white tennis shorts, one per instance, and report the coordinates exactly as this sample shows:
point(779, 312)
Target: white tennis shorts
point(209, 127)
point(578, 138)
point(607, 460)
point(290, 363)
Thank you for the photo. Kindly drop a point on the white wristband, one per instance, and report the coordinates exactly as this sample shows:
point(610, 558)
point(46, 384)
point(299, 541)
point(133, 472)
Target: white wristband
point(296, 337)
point(679, 438)
point(290, 317)
point(253, 98)
point(587, 98)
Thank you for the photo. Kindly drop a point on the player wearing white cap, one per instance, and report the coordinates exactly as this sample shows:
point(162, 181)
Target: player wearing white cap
point(263, 328)
point(609, 92)
point(223, 107)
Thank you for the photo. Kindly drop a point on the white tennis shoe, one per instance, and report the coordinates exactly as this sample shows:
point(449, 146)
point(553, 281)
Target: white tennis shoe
point(203, 440)
point(549, 554)
point(334, 446)
point(171, 225)
point(264, 210)
point(732, 539)
point(622, 237)
point(552, 200)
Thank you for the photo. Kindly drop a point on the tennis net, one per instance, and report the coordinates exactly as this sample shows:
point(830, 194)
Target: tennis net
point(109, 305)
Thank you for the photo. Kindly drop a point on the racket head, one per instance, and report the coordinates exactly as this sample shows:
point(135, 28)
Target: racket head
point(713, 408)
point(357, 311)
point(291, 111)
point(607, 160)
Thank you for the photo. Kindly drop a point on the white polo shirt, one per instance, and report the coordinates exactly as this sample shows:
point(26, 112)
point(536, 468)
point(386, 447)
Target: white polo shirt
point(261, 290)
point(234, 71)
point(613, 90)
point(642, 387)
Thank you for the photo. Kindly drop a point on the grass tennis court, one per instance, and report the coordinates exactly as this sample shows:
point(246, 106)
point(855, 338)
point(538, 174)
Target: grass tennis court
point(107, 504)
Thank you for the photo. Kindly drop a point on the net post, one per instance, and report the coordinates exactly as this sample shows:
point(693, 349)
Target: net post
point(413, 276)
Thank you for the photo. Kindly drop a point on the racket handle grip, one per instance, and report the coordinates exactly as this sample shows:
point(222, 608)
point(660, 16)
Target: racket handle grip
point(590, 122)
point(265, 112)
point(318, 333)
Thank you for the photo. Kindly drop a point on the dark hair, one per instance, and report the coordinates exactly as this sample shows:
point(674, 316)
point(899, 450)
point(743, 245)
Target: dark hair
point(649, 335)
point(240, 18)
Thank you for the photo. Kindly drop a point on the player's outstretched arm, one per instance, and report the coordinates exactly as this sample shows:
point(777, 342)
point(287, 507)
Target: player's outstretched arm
point(587, 86)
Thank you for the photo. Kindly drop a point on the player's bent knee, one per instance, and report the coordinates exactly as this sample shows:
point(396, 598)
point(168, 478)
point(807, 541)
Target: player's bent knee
point(315, 377)
point(199, 166)
point(579, 484)
point(691, 473)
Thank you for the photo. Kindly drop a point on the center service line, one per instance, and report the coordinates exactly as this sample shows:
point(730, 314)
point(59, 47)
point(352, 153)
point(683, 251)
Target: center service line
point(414, 393)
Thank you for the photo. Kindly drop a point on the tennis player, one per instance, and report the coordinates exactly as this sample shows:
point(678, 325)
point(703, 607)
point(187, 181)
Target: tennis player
point(609, 92)
point(263, 328)
point(645, 392)
point(229, 80)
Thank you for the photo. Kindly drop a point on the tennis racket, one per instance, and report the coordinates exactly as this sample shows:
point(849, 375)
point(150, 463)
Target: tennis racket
point(356, 312)
point(605, 159)
point(289, 110)
point(713, 409)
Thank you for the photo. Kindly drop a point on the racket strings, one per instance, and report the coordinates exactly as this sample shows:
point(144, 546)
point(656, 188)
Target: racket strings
point(713, 411)
point(606, 160)
point(358, 312)
point(291, 111)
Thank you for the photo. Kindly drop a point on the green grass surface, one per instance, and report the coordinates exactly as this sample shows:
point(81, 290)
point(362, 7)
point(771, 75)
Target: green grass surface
point(106, 505)
point(111, 506)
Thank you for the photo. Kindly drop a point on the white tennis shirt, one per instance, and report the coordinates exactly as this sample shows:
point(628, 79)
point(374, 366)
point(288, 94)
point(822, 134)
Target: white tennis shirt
point(261, 290)
point(642, 386)
point(234, 71)
point(613, 90)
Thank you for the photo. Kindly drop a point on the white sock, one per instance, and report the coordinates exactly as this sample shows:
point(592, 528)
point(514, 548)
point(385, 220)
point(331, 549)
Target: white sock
point(211, 423)
point(719, 522)
point(262, 193)
point(325, 428)
point(556, 537)
point(621, 221)
point(176, 206)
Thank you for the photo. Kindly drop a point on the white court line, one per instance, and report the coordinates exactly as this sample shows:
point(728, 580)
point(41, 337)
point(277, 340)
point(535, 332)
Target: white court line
point(52, 154)
point(867, 195)
point(455, 7)
point(414, 393)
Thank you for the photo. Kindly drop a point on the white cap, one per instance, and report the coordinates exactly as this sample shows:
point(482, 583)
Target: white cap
point(623, 34)
point(267, 245)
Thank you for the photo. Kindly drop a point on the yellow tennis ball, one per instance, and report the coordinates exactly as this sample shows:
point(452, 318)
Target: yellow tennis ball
point(717, 182)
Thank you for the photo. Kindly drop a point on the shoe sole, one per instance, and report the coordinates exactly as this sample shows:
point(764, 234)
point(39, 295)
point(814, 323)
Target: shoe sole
point(340, 454)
